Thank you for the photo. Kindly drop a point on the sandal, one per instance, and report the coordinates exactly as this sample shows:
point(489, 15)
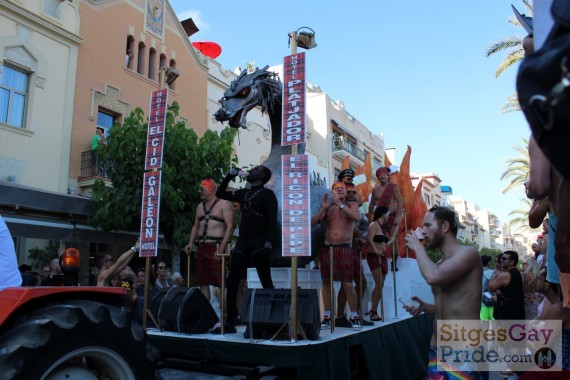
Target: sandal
point(374, 316)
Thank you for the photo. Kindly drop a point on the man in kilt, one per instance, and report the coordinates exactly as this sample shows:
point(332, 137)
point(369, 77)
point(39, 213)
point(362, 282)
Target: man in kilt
point(341, 218)
point(213, 226)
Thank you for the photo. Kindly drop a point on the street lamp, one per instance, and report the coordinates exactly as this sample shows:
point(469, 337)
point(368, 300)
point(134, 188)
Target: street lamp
point(302, 39)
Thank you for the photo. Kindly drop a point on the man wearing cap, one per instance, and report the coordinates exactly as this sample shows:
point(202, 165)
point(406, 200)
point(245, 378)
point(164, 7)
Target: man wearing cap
point(388, 195)
point(346, 175)
point(341, 218)
point(258, 223)
point(212, 230)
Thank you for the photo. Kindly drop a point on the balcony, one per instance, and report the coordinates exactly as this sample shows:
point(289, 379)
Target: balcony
point(91, 171)
point(341, 148)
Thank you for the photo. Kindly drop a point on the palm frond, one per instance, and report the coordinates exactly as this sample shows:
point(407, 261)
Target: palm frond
point(511, 105)
point(509, 43)
point(511, 59)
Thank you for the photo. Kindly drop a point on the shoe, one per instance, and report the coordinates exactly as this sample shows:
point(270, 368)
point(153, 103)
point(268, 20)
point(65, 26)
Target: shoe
point(374, 317)
point(367, 323)
point(326, 323)
point(228, 329)
point(355, 323)
point(342, 322)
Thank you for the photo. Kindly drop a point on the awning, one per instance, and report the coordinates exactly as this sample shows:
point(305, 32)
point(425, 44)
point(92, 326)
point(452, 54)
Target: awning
point(26, 197)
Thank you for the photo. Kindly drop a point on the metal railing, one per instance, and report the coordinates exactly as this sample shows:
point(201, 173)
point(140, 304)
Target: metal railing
point(90, 166)
point(347, 146)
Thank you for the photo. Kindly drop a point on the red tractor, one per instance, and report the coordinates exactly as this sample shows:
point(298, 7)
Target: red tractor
point(71, 332)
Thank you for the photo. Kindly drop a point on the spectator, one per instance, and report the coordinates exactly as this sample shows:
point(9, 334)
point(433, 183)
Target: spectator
point(177, 279)
point(162, 281)
point(455, 280)
point(9, 273)
point(111, 268)
point(486, 309)
point(55, 277)
point(532, 298)
point(510, 305)
point(97, 140)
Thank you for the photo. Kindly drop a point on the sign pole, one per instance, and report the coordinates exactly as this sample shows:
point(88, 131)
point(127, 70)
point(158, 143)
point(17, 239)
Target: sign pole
point(294, 262)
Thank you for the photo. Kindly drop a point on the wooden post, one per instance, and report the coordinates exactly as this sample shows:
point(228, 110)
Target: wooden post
point(223, 284)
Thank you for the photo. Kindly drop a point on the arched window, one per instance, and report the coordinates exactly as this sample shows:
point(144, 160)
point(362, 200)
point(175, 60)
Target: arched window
point(173, 65)
point(141, 57)
point(152, 71)
point(130, 52)
point(162, 61)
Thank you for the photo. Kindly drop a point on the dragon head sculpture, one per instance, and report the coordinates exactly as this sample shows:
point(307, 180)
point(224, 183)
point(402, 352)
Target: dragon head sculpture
point(260, 88)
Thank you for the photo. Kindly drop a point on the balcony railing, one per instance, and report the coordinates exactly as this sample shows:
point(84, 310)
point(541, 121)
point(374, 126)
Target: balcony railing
point(347, 146)
point(90, 166)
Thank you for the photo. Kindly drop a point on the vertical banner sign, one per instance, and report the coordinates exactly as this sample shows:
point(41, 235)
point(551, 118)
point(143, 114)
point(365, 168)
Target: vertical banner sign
point(156, 126)
point(150, 209)
point(296, 209)
point(150, 214)
point(293, 122)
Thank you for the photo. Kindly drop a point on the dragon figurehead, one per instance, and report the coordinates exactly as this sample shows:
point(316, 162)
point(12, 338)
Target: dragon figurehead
point(259, 88)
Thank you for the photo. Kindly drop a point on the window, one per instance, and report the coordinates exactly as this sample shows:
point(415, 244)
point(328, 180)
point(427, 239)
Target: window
point(173, 65)
point(141, 57)
point(130, 53)
point(152, 64)
point(105, 120)
point(13, 93)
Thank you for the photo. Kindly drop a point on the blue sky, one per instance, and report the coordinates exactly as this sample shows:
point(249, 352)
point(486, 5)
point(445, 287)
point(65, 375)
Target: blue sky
point(413, 70)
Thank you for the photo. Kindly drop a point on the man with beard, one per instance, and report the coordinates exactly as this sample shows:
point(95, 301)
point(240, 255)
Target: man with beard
point(213, 227)
point(455, 279)
point(388, 195)
point(258, 223)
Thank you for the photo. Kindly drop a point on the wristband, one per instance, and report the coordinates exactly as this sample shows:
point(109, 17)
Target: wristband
point(268, 245)
point(134, 249)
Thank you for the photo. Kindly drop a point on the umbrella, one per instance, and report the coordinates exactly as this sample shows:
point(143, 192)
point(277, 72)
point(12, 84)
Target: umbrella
point(210, 49)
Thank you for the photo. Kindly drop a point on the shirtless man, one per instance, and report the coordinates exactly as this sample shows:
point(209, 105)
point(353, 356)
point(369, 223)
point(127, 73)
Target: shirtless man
point(388, 195)
point(455, 279)
point(341, 218)
point(213, 226)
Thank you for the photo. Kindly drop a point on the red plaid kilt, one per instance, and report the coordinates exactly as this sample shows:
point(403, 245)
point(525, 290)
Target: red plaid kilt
point(343, 264)
point(356, 264)
point(208, 265)
point(375, 262)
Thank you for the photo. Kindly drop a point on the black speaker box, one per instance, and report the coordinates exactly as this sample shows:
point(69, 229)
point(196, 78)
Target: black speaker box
point(184, 310)
point(264, 311)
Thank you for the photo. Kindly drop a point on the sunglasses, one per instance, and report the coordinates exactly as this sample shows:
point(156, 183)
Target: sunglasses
point(161, 267)
point(351, 192)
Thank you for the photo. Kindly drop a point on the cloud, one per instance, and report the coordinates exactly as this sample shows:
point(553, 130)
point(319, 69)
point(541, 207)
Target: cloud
point(196, 17)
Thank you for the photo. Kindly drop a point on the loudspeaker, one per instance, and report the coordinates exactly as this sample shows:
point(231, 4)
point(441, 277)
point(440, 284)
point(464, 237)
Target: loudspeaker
point(264, 311)
point(184, 310)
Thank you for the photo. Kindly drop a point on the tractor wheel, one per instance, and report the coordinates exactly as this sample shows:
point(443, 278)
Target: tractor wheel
point(76, 339)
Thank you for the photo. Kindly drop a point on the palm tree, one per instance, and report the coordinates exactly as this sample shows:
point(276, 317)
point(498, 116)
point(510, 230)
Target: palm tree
point(520, 220)
point(517, 168)
point(515, 52)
